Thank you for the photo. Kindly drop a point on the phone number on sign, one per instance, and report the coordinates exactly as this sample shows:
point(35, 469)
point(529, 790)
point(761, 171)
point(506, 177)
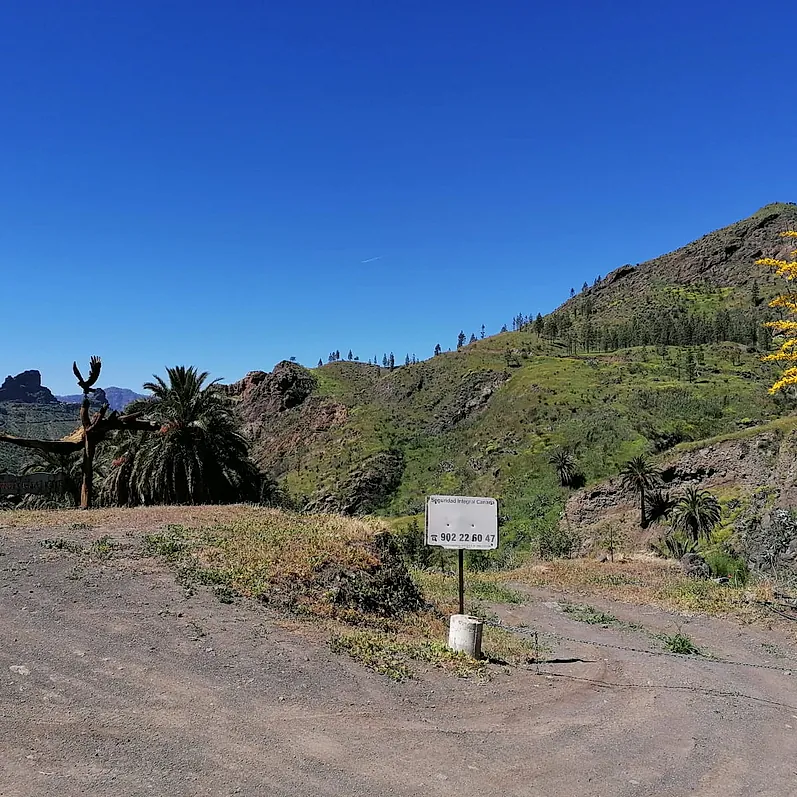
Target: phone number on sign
point(451, 537)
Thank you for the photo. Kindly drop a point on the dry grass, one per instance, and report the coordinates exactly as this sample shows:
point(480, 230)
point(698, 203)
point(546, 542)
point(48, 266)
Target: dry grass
point(303, 562)
point(122, 518)
point(646, 582)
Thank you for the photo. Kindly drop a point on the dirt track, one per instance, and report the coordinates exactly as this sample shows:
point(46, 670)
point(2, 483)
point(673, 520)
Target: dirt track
point(113, 682)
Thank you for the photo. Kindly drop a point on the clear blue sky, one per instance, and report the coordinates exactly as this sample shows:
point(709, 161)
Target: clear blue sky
point(199, 182)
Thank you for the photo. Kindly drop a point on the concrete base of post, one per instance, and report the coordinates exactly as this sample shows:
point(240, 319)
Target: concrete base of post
point(465, 635)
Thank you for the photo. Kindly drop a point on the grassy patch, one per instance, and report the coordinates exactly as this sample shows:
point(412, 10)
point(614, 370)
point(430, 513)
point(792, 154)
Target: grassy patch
point(584, 613)
point(321, 565)
point(645, 582)
point(398, 655)
point(444, 588)
point(391, 656)
point(681, 644)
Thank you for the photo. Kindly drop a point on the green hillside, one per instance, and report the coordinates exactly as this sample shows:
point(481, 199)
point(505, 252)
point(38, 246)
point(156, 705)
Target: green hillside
point(466, 422)
point(648, 358)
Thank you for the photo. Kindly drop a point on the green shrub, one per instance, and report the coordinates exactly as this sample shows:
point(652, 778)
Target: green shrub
point(673, 546)
point(725, 565)
point(681, 644)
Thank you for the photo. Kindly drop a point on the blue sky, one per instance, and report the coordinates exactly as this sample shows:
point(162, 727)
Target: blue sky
point(200, 182)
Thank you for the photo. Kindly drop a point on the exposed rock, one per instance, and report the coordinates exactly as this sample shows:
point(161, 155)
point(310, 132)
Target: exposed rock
point(261, 393)
point(695, 566)
point(26, 388)
point(769, 541)
point(366, 488)
point(618, 274)
point(722, 258)
point(761, 468)
point(246, 386)
point(472, 395)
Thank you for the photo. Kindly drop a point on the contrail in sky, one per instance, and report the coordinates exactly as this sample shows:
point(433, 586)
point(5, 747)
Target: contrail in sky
point(371, 259)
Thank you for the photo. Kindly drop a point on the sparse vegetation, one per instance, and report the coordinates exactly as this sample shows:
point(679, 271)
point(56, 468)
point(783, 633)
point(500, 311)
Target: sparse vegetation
point(680, 644)
point(325, 566)
point(588, 614)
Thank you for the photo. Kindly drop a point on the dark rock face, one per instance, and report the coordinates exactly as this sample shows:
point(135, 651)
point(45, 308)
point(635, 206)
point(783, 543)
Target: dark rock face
point(472, 396)
point(26, 388)
point(288, 385)
point(695, 566)
point(366, 488)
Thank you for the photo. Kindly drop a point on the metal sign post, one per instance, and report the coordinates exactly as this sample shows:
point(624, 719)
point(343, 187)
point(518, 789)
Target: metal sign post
point(463, 523)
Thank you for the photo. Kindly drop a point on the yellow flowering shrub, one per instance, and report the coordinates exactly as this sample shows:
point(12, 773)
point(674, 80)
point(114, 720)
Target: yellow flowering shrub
point(785, 328)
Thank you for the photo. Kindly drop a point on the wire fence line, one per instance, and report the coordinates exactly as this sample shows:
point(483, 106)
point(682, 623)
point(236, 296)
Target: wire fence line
point(536, 635)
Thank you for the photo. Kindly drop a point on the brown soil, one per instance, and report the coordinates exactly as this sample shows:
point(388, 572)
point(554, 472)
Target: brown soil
point(115, 681)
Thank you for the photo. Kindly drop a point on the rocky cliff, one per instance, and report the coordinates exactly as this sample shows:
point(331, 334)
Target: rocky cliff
point(26, 388)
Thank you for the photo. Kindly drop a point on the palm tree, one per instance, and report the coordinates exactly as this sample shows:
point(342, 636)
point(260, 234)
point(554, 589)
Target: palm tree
point(659, 506)
point(696, 514)
point(639, 475)
point(67, 465)
point(199, 455)
point(566, 466)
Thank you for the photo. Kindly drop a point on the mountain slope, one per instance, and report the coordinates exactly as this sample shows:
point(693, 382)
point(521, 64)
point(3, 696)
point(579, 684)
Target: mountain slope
point(486, 418)
point(46, 421)
point(721, 262)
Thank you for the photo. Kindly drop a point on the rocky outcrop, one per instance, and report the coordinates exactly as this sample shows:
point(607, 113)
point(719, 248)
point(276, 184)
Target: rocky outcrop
point(367, 487)
point(262, 393)
point(768, 540)
point(473, 393)
point(695, 566)
point(26, 388)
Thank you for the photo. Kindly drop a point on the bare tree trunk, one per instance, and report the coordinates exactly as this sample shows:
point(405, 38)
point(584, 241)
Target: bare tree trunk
point(642, 507)
point(87, 490)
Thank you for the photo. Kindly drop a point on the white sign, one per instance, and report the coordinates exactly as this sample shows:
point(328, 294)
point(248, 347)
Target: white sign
point(457, 521)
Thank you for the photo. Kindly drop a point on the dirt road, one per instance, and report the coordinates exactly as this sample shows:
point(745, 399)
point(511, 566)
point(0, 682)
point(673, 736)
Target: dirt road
point(114, 682)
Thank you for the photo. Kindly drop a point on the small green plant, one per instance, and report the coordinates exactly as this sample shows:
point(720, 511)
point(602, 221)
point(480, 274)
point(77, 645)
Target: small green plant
point(558, 543)
point(80, 526)
point(681, 644)
point(103, 548)
point(170, 545)
point(60, 544)
point(612, 539)
point(588, 614)
point(725, 565)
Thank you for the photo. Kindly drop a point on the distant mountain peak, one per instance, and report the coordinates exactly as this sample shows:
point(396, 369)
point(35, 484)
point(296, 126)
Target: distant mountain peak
point(117, 398)
point(26, 388)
